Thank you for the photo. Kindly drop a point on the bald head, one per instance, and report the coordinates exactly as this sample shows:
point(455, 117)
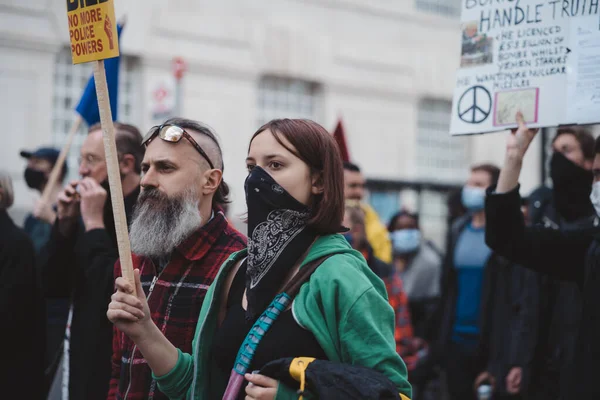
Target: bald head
point(210, 147)
point(174, 167)
point(204, 136)
point(93, 158)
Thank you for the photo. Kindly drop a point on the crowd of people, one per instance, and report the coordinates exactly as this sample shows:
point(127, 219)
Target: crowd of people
point(322, 299)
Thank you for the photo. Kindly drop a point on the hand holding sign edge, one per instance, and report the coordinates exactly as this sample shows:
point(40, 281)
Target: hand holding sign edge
point(520, 138)
point(516, 146)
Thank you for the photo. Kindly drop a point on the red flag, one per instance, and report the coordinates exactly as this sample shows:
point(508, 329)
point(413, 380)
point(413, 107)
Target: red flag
point(340, 138)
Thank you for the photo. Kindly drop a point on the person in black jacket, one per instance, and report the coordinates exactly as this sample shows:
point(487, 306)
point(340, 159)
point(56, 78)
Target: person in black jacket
point(509, 329)
point(38, 226)
point(566, 206)
point(21, 308)
point(571, 255)
point(80, 256)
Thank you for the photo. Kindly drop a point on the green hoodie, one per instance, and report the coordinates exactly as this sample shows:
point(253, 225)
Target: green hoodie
point(344, 304)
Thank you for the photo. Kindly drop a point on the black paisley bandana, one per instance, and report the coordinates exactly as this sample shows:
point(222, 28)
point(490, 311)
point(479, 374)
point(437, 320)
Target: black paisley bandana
point(572, 186)
point(277, 237)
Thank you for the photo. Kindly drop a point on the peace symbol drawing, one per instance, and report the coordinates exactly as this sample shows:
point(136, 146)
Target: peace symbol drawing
point(475, 105)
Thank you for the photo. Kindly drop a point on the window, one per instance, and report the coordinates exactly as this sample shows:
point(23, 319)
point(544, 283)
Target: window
point(288, 98)
point(69, 82)
point(449, 8)
point(440, 157)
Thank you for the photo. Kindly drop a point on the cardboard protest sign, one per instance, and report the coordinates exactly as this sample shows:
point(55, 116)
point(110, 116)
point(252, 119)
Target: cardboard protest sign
point(537, 56)
point(92, 30)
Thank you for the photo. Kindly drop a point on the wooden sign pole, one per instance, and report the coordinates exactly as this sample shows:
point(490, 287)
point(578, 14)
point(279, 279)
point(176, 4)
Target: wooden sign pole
point(60, 161)
point(112, 165)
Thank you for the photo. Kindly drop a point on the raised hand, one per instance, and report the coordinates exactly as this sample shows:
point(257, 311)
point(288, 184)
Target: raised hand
point(67, 209)
point(519, 140)
point(93, 198)
point(516, 146)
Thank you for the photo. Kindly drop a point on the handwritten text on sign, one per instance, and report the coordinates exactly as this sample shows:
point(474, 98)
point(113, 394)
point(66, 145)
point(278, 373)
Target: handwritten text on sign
point(92, 30)
point(539, 57)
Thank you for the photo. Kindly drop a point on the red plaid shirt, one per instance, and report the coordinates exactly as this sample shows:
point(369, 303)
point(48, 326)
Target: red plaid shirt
point(175, 299)
point(403, 331)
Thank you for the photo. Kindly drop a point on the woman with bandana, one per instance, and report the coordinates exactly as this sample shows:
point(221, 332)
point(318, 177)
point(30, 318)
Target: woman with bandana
point(295, 200)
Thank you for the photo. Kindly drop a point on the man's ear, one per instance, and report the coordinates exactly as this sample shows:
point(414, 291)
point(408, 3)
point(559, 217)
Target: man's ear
point(317, 183)
point(588, 164)
point(127, 164)
point(212, 180)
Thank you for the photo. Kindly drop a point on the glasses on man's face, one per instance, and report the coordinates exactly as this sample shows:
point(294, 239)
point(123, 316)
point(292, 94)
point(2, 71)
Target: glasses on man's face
point(90, 160)
point(173, 134)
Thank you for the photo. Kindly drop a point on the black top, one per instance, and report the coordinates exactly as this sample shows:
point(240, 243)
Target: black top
point(22, 315)
point(560, 301)
point(572, 255)
point(284, 339)
point(81, 266)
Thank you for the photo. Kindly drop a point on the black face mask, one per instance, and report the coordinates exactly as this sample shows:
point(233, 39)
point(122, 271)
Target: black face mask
point(34, 178)
point(572, 186)
point(278, 236)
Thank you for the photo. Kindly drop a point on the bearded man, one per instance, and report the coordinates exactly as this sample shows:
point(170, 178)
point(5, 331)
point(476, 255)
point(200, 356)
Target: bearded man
point(180, 237)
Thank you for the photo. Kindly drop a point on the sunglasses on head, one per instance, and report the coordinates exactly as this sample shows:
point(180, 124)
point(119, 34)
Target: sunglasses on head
point(173, 134)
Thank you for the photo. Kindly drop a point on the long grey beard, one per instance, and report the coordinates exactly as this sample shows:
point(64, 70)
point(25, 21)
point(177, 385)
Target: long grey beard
point(160, 223)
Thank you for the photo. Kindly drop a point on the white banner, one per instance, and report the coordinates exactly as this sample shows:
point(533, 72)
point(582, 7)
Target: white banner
point(541, 57)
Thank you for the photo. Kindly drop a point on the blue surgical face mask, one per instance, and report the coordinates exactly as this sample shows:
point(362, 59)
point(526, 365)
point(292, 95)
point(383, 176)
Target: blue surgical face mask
point(473, 198)
point(406, 241)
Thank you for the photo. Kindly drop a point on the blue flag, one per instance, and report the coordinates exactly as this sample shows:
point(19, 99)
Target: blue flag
point(88, 104)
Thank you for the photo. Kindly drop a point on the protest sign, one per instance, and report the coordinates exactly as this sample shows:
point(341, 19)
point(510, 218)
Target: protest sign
point(86, 110)
point(92, 30)
point(537, 56)
point(93, 34)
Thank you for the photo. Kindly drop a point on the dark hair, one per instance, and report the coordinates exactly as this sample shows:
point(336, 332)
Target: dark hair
point(221, 196)
point(317, 148)
point(583, 136)
point(491, 169)
point(348, 166)
point(399, 214)
point(128, 139)
point(597, 147)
